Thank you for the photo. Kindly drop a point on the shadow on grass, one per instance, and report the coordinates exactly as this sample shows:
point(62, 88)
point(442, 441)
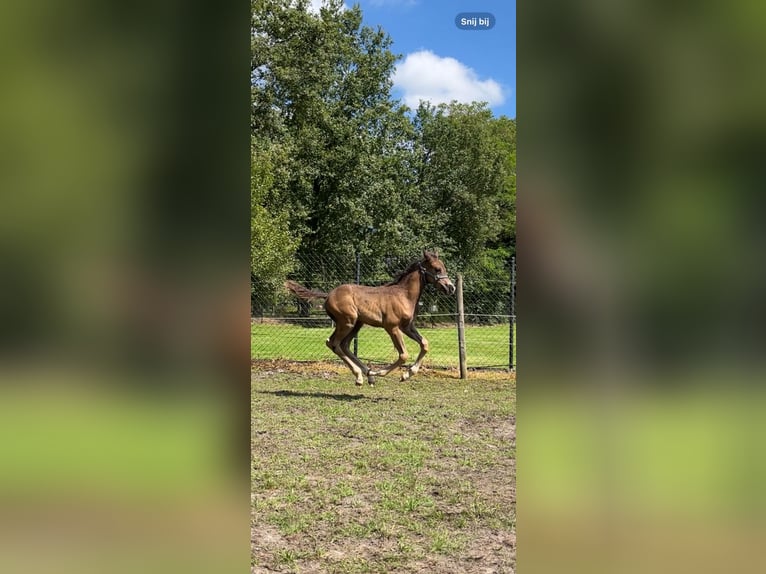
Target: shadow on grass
point(339, 397)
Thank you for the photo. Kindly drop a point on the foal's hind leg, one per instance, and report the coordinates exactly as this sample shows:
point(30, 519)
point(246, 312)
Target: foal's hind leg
point(413, 334)
point(335, 344)
point(396, 337)
point(346, 351)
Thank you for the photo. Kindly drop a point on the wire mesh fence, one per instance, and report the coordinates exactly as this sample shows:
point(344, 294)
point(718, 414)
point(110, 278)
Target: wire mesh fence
point(285, 327)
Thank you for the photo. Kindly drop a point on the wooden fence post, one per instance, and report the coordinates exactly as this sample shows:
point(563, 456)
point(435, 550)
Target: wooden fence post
point(461, 327)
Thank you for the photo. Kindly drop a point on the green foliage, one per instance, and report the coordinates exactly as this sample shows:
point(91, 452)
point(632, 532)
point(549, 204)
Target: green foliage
point(338, 114)
point(467, 176)
point(342, 167)
point(503, 133)
point(272, 246)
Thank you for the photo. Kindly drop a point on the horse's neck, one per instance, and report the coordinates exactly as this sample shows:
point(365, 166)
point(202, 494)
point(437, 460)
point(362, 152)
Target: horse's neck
point(414, 285)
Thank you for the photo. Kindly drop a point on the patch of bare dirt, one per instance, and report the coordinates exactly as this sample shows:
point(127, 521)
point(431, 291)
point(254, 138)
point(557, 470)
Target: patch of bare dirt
point(264, 541)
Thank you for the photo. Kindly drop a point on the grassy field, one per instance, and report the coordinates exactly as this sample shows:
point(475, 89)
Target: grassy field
point(486, 346)
point(403, 477)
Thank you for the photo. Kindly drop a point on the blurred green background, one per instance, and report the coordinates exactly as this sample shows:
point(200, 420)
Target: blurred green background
point(124, 174)
point(641, 135)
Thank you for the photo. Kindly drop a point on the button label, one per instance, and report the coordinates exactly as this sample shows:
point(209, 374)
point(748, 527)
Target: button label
point(475, 21)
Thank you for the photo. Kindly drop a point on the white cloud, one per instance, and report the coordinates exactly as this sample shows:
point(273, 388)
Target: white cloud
point(425, 76)
point(315, 5)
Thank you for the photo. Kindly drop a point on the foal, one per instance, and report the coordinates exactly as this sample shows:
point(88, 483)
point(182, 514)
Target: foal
point(392, 306)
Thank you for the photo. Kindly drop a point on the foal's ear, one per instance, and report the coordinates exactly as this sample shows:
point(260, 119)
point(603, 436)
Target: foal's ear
point(436, 253)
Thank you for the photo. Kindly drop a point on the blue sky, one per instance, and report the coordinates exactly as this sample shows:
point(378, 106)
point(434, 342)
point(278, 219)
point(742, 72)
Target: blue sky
point(443, 62)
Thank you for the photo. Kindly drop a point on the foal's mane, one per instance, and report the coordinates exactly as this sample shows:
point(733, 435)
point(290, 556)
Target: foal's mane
point(412, 267)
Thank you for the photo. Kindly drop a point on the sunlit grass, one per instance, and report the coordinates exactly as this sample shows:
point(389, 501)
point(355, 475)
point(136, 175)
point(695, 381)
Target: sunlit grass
point(348, 479)
point(486, 346)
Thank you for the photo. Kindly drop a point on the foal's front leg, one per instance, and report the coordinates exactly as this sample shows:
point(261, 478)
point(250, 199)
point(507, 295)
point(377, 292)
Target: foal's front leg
point(396, 337)
point(413, 334)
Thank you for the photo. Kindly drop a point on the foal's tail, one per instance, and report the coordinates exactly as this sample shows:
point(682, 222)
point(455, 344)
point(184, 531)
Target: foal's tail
point(303, 292)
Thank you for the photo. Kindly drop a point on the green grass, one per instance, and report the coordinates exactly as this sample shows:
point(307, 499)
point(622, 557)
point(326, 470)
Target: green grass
point(486, 346)
point(376, 480)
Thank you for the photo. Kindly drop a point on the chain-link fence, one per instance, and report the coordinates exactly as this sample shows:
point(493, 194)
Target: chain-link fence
point(285, 327)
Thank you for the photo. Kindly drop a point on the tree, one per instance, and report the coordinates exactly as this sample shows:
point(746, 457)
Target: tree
point(349, 168)
point(272, 245)
point(466, 177)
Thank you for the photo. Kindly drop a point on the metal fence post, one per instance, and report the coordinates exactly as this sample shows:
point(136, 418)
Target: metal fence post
point(461, 327)
point(512, 321)
point(358, 280)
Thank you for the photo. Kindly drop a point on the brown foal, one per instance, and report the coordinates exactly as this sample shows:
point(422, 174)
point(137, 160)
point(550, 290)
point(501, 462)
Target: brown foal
point(392, 306)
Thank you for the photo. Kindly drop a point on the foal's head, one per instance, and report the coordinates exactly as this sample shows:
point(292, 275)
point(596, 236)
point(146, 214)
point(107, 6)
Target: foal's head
point(435, 272)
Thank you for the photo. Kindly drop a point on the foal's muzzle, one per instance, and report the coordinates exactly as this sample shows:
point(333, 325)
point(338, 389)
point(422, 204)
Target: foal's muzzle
point(447, 286)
